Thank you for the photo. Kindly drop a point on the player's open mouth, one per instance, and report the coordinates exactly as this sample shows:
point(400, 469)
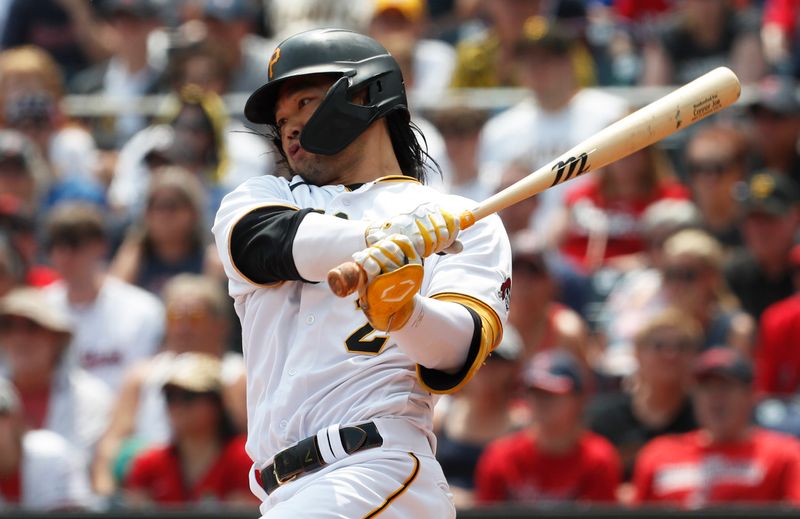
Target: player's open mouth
point(294, 149)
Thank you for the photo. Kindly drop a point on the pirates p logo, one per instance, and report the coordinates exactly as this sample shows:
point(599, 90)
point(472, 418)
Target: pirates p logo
point(274, 59)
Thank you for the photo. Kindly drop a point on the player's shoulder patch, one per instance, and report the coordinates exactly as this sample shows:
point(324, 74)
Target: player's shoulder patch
point(504, 292)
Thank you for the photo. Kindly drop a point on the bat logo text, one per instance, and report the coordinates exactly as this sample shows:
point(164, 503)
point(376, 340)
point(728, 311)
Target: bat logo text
point(573, 166)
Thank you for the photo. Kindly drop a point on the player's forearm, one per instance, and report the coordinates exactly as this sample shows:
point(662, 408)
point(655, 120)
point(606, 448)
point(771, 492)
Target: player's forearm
point(437, 335)
point(323, 242)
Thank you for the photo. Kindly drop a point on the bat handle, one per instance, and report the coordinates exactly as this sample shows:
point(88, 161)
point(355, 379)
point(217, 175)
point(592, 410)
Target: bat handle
point(349, 276)
point(346, 278)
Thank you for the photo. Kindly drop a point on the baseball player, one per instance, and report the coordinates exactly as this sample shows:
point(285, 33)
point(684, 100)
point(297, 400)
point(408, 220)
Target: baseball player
point(341, 391)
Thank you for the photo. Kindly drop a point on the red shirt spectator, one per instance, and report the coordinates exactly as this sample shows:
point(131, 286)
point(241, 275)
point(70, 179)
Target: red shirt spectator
point(603, 213)
point(158, 472)
point(777, 354)
point(555, 459)
point(513, 469)
point(689, 471)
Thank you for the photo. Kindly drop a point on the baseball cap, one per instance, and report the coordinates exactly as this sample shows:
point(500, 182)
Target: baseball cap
point(778, 94)
point(770, 192)
point(227, 10)
point(9, 398)
point(723, 362)
point(31, 304)
point(556, 372)
point(540, 34)
point(412, 10)
point(195, 372)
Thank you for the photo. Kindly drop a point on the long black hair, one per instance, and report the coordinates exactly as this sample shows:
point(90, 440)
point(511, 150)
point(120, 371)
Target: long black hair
point(408, 142)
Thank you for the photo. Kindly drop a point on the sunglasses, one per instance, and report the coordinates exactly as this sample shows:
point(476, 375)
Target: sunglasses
point(13, 323)
point(682, 275)
point(182, 396)
point(714, 168)
point(676, 345)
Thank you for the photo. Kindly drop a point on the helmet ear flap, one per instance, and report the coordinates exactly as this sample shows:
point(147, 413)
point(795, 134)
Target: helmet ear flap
point(336, 122)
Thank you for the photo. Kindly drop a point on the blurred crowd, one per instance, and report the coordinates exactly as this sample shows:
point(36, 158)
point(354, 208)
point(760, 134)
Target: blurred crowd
point(652, 351)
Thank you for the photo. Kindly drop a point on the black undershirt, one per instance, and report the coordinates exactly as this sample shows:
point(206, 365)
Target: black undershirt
point(261, 244)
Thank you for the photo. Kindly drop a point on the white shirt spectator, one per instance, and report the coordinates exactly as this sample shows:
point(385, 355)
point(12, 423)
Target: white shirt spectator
point(53, 475)
point(123, 325)
point(434, 62)
point(79, 408)
point(534, 136)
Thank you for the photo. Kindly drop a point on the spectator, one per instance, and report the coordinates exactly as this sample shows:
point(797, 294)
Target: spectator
point(55, 394)
point(543, 323)
point(31, 93)
point(691, 279)
point(779, 35)
point(228, 25)
point(127, 74)
point(19, 224)
point(198, 313)
point(600, 216)
point(700, 36)
point(30, 458)
point(106, 340)
point(726, 460)
point(202, 65)
point(205, 460)
point(488, 59)
point(460, 127)
point(776, 114)
point(432, 61)
point(760, 274)
point(554, 460)
point(716, 161)
point(171, 238)
point(481, 412)
point(777, 355)
point(540, 128)
point(67, 29)
point(197, 135)
point(23, 172)
point(656, 401)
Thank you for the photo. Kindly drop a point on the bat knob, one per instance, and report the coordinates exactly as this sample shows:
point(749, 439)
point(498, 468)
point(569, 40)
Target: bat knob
point(346, 278)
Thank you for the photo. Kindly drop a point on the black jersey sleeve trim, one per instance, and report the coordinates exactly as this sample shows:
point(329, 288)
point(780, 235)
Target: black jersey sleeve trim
point(261, 244)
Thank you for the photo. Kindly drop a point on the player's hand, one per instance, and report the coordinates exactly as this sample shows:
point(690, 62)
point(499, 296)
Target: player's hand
point(394, 276)
point(430, 228)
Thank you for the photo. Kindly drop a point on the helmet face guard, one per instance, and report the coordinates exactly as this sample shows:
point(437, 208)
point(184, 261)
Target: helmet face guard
point(363, 65)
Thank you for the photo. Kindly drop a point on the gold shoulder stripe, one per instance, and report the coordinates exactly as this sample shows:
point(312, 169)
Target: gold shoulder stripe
point(230, 256)
point(397, 493)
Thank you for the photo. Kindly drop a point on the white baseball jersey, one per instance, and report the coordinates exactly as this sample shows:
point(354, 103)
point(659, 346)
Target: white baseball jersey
point(312, 359)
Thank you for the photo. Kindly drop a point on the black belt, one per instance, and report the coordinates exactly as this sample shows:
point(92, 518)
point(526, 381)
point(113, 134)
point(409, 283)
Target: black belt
point(304, 457)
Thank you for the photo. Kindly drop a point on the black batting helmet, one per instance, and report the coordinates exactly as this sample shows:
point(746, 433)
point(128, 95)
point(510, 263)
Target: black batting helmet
point(358, 61)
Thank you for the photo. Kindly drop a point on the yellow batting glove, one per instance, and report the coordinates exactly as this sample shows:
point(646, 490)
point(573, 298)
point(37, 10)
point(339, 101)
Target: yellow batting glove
point(430, 228)
point(394, 276)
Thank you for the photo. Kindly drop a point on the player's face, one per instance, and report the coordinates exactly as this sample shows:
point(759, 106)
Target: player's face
point(298, 99)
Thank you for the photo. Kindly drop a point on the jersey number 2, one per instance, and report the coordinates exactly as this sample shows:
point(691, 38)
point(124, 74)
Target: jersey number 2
point(358, 342)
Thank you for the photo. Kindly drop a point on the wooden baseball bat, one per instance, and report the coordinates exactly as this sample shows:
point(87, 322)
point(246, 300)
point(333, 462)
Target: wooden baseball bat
point(680, 108)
